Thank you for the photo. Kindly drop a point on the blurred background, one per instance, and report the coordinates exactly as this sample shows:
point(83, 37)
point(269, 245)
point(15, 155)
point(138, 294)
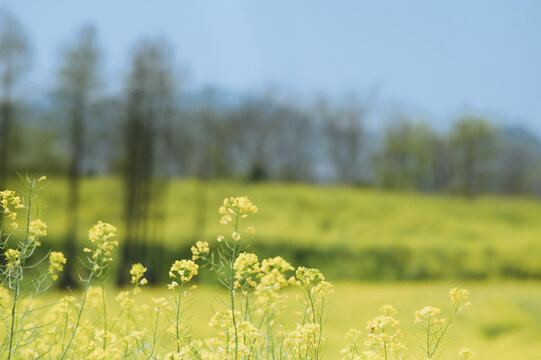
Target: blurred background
point(383, 142)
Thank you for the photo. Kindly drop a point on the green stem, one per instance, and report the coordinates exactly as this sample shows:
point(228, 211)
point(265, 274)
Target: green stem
point(428, 338)
point(13, 313)
point(16, 291)
point(178, 316)
point(232, 285)
point(80, 310)
point(104, 317)
point(155, 335)
point(451, 318)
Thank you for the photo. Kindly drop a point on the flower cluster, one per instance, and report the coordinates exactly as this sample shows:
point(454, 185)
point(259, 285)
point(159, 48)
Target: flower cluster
point(56, 263)
point(466, 354)
point(305, 339)
point(247, 269)
point(137, 273)
point(314, 280)
point(236, 207)
point(273, 274)
point(100, 235)
point(201, 248)
point(10, 204)
point(184, 270)
point(428, 315)
point(434, 327)
point(36, 230)
point(351, 352)
point(384, 334)
point(12, 258)
point(459, 298)
point(242, 336)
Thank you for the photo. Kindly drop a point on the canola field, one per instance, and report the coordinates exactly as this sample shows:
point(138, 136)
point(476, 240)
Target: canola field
point(350, 233)
point(504, 321)
point(264, 308)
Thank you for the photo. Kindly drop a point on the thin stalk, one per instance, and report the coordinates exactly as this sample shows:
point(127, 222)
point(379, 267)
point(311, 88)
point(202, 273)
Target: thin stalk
point(155, 335)
point(231, 285)
point(104, 317)
point(428, 338)
point(80, 311)
point(452, 317)
point(18, 276)
point(13, 310)
point(178, 317)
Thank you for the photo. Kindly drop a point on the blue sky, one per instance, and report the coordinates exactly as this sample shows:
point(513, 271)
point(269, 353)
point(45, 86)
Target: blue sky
point(438, 58)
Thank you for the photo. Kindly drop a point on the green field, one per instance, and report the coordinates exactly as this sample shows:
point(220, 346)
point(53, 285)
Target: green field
point(351, 233)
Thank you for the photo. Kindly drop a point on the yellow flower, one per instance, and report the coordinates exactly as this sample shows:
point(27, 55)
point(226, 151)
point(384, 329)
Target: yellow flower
point(12, 258)
point(459, 297)
point(137, 273)
point(56, 263)
point(466, 354)
point(246, 268)
point(309, 277)
point(10, 203)
point(36, 230)
point(101, 232)
point(100, 235)
point(428, 314)
point(238, 207)
point(200, 248)
point(184, 270)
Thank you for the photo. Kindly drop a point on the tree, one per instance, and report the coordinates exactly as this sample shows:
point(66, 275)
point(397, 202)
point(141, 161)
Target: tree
point(343, 127)
point(150, 94)
point(14, 62)
point(78, 83)
point(406, 160)
point(472, 142)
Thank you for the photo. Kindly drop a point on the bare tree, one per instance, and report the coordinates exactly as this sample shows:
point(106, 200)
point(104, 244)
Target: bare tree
point(14, 61)
point(78, 83)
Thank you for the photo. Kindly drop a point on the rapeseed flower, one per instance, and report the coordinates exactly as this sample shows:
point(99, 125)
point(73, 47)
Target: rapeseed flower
point(137, 273)
point(36, 230)
point(184, 270)
point(56, 263)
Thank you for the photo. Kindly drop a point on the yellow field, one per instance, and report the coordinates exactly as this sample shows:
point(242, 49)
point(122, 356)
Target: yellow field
point(504, 321)
point(347, 231)
point(312, 215)
point(350, 233)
